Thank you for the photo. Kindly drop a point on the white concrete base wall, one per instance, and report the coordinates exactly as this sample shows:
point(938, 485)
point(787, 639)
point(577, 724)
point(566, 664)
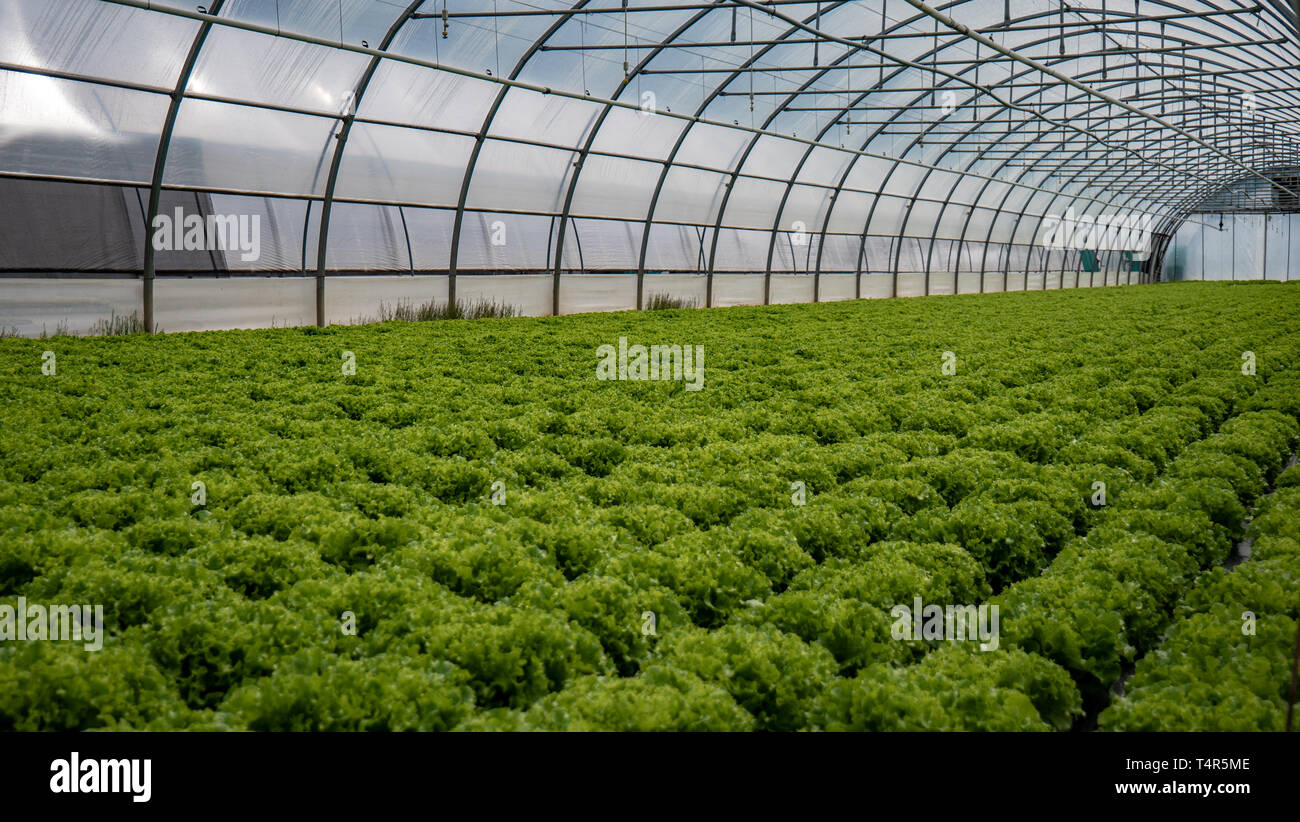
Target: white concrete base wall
point(30, 306)
point(204, 304)
point(584, 293)
point(943, 282)
point(358, 299)
point(737, 289)
point(791, 288)
point(837, 287)
point(877, 286)
point(911, 285)
point(530, 294)
point(693, 287)
point(968, 282)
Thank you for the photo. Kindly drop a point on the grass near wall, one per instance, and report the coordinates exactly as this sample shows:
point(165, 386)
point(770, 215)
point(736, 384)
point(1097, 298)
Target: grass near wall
point(471, 530)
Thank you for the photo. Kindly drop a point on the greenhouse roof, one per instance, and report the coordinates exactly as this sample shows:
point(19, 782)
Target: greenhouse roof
point(651, 134)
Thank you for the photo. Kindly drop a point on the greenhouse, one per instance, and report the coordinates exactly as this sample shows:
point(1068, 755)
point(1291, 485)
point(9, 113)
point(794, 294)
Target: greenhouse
point(649, 365)
point(567, 157)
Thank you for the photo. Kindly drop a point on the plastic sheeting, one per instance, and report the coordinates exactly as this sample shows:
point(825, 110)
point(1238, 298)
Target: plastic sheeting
point(1247, 247)
point(447, 167)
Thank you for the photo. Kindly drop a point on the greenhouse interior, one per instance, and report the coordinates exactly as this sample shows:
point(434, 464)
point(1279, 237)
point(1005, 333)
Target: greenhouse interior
point(575, 157)
point(544, 365)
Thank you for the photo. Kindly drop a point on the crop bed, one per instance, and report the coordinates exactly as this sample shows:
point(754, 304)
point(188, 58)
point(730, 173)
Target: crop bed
point(473, 531)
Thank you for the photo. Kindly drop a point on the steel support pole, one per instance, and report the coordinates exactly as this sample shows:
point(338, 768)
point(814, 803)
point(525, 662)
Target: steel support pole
point(160, 164)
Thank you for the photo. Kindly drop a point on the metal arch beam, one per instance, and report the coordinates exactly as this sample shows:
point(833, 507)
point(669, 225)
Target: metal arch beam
point(1119, 204)
point(681, 140)
point(898, 244)
point(895, 242)
point(780, 209)
point(735, 173)
point(849, 169)
point(327, 204)
point(1142, 135)
point(1187, 205)
point(984, 264)
point(585, 151)
point(1136, 79)
point(1006, 260)
point(1047, 70)
point(1015, 227)
point(838, 189)
point(1126, 128)
point(907, 215)
point(997, 210)
point(160, 162)
point(835, 193)
point(1000, 209)
point(970, 208)
point(481, 137)
point(898, 161)
point(948, 203)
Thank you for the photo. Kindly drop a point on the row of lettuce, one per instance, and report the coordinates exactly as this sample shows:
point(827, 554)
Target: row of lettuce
point(1227, 658)
point(1109, 596)
point(649, 568)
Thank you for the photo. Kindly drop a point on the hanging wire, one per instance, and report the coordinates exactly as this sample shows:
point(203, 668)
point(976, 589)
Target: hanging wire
point(1162, 66)
point(751, 66)
point(1061, 39)
point(496, 36)
point(1103, 39)
point(626, 66)
point(883, 26)
point(848, 95)
point(817, 41)
point(975, 100)
point(934, 82)
point(446, 20)
point(582, 38)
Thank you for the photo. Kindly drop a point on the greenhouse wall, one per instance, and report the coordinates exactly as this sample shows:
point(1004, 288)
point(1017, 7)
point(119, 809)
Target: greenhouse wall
point(36, 305)
point(1219, 246)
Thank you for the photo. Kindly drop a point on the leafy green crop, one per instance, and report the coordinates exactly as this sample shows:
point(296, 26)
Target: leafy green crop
point(474, 532)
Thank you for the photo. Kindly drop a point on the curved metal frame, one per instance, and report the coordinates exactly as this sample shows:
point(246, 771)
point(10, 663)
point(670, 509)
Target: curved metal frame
point(160, 162)
point(341, 144)
point(1173, 184)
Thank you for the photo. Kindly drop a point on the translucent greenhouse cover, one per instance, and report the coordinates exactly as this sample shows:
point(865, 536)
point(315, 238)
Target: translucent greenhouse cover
point(599, 135)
